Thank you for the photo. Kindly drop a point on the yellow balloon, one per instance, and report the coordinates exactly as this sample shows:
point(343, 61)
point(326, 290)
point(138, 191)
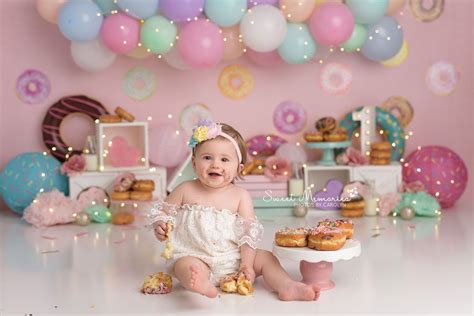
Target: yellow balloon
point(399, 58)
point(139, 52)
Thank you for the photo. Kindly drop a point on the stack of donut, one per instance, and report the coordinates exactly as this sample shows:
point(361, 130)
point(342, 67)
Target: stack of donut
point(380, 153)
point(120, 114)
point(327, 131)
point(328, 235)
point(353, 208)
point(126, 187)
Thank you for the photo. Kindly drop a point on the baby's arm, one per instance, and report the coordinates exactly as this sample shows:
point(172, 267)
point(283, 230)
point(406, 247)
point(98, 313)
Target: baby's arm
point(174, 198)
point(247, 253)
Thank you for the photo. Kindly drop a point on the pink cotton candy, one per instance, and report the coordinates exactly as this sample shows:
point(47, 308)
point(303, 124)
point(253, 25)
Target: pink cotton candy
point(388, 202)
point(50, 208)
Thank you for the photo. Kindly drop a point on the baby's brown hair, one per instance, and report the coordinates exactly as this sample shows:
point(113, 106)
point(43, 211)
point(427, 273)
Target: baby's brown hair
point(232, 132)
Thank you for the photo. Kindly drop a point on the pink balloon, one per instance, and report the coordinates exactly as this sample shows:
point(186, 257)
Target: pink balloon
point(268, 59)
point(331, 24)
point(201, 44)
point(120, 33)
point(440, 169)
point(168, 145)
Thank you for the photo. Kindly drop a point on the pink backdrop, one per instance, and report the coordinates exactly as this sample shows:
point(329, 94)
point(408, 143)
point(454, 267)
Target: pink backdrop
point(28, 41)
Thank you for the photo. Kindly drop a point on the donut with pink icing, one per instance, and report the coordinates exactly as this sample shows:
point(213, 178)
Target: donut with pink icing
point(289, 117)
point(442, 78)
point(264, 145)
point(33, 86)
point(55, 115)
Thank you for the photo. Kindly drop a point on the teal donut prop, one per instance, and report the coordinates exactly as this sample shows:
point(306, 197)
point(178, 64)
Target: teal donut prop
point(388, 123)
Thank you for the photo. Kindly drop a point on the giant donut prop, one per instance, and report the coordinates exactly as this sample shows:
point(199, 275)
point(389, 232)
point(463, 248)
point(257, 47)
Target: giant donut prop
point(388, 123)
point(423, 14)
point(57, 112)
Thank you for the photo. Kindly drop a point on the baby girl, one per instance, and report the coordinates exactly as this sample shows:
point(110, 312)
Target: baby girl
point(215, 231)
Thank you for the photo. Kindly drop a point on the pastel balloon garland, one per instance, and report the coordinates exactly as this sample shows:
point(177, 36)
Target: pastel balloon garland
point(200, 30)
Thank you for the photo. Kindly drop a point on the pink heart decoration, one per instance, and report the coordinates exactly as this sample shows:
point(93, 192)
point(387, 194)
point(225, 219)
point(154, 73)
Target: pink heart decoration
point(329, 199)
point(122, 154)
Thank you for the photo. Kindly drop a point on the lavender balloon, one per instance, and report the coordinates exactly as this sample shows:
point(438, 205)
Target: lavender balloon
point(181, 10)
point(384, 39)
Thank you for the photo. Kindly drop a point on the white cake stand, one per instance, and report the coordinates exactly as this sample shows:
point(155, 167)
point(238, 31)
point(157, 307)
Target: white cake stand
point(315, 265)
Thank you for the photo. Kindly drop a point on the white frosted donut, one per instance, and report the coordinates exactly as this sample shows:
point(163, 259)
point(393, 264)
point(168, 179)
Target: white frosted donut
point(139, 83)
point(192, 114)
point(33, 86)
point(335, 78)
point(289, 117)
point(423, 14)
point(400, 108)
point(235, 82)
point(442, 78)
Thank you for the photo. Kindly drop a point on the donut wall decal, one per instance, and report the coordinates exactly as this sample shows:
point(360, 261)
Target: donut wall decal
point(33, 86)
point(55, 115)
point(400, 108)
point(393, 131)
point(335, 79)
point(139, 83)
point(235, 82)
point(421, 13)
point(442, 78)
point(289, 117)
point(192, 114)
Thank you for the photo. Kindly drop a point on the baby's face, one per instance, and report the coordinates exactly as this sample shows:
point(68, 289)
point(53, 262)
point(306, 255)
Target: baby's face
point(216, 163)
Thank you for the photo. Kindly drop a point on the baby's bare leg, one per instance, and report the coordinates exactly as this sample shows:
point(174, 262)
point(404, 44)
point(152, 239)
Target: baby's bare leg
point(267, 265)
point(194, 276)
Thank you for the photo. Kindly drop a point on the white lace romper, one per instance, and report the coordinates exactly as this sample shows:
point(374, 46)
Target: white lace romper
point(212, 235)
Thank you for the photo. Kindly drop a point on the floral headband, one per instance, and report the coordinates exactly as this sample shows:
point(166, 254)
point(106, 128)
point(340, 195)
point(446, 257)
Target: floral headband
point(206, 130)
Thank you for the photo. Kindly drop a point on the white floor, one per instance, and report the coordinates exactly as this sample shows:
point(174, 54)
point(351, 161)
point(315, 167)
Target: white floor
point(419, 266)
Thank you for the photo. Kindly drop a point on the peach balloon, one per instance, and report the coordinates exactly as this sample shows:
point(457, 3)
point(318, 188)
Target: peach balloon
point(395, 6)
point(233, 43)
point(49, 9)
point(297, 11)
point(319, 2)
point(399, 58)
point(139, 52)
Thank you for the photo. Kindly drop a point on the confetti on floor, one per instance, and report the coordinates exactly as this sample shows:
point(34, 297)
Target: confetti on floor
point(375, 235)
point(49, 251)
point(49, 237)
point(81, 234)
point(120, 241)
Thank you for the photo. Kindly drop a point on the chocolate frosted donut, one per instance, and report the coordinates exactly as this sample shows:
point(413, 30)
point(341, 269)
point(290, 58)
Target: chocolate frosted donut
point(57, 112)
point(326, 124)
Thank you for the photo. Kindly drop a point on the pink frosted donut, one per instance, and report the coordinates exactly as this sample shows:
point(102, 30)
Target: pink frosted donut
point(289, 117)
point(33, 86)
point(124, 182)
point(264, 145)
point(442, 78)
point(335, 78)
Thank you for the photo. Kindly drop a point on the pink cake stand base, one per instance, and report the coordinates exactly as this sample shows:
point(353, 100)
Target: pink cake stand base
point(318, 273)
point(316, 266)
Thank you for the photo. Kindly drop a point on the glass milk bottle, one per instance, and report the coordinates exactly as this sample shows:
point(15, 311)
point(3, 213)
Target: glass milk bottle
point(371, 200)
point(295, 184)
point(90, 154)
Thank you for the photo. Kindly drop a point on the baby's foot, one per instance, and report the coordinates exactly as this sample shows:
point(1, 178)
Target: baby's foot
point(297, 291)
point(201, 284)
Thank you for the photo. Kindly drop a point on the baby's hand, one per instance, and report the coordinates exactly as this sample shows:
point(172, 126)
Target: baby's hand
point(248, 272)
point(161, 230)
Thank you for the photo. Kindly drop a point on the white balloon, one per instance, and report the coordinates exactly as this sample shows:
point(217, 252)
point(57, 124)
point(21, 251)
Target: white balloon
point(292, 152)
point(174, 59)
point(263, 28)
point(92, 55)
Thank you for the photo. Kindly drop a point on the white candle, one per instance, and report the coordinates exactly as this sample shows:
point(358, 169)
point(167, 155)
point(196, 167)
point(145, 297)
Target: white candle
point(295, 187)
point(370, 208)
point(91, 162)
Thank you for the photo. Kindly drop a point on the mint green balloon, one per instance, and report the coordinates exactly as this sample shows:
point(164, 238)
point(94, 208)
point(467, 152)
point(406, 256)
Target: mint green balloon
point(298, 46)
point(367, 11)
point(357, 39)
point(225, 13)
point(107, 6)
point(158, 34)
